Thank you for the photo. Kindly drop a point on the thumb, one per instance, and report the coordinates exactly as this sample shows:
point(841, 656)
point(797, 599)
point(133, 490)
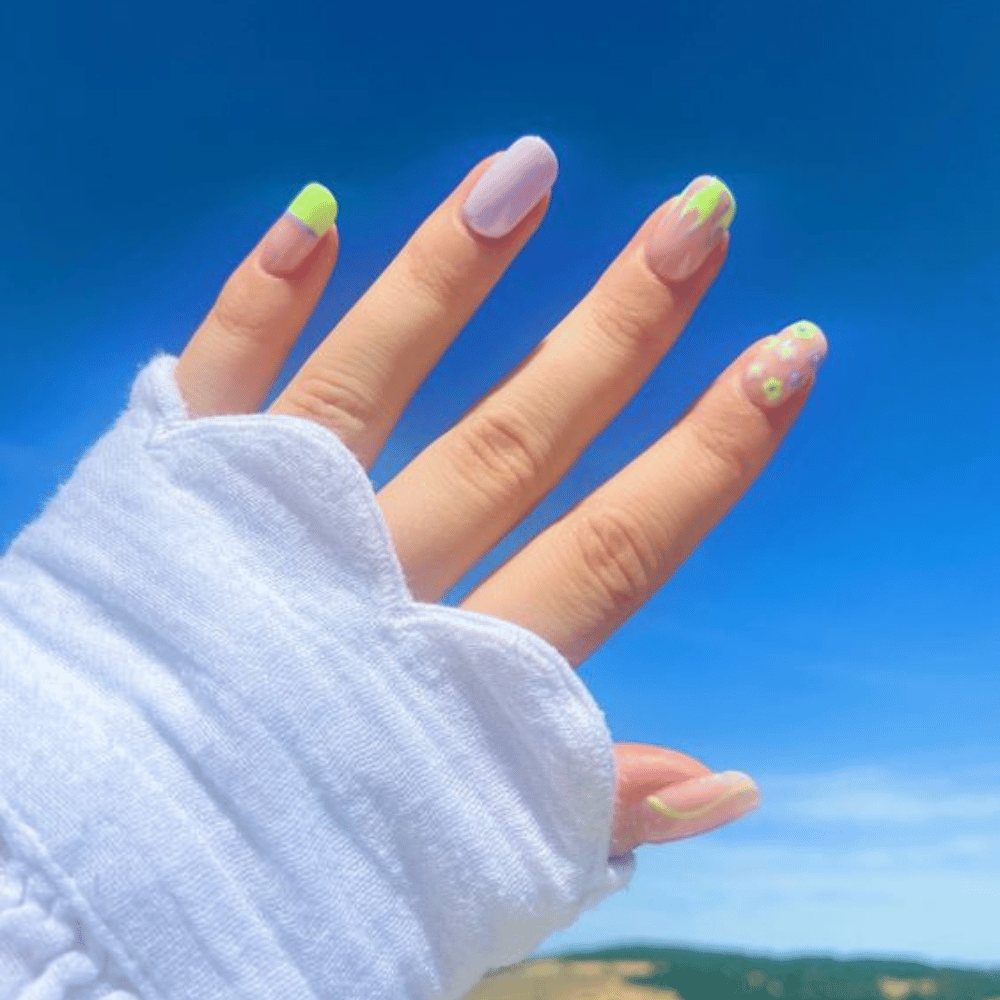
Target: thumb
point(688, 799)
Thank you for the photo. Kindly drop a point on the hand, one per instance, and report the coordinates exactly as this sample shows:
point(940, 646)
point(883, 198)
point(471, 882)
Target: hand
point(586, 574)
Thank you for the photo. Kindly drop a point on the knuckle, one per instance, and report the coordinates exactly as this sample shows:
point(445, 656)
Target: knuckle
point(621, 318)
point(616, 555)
point(496, 451)
point(339, 407)
point(239, 319)
point(431, 272)
point(720, 444)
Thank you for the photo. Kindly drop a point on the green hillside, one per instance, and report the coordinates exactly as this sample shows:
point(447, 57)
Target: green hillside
point(648, 972)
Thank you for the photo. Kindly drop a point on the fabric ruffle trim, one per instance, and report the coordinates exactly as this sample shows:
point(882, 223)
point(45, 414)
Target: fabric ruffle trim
point(45, 953)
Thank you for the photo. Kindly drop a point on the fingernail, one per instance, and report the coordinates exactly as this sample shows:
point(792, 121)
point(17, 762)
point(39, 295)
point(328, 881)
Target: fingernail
point(511, 187)
point(691, 227)
point(288, 242)
point(697, 805)
point(781, 365)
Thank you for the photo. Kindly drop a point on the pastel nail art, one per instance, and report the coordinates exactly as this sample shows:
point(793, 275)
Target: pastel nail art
point(709, 801)
point(692, 226)
point(780, 365)
point(288, 242)
point(511, 187)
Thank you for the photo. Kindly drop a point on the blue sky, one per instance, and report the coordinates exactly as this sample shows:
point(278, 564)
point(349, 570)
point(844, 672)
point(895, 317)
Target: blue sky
point(836, 635)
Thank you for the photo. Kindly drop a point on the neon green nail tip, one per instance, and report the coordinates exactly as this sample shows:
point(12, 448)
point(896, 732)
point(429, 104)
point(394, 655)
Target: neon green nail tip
point(316, 206)
point(707, 199)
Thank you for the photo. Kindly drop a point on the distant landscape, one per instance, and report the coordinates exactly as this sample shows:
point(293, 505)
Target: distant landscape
point(653, 973)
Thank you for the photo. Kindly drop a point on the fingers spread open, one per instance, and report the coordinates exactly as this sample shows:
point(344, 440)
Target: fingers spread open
point(485, 475)
point(361, 377)
point(587, 573)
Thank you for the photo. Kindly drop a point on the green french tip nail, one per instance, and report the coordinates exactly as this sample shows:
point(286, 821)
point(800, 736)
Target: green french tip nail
point(316, 206)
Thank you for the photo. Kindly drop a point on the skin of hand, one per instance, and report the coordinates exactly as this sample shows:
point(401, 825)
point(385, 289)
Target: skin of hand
point(586, 574)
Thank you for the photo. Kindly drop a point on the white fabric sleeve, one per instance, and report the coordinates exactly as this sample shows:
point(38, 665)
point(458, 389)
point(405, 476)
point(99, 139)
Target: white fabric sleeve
point(240, 761)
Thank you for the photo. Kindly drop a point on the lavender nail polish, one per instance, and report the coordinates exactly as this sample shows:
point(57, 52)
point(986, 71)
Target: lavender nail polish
point(511, 187)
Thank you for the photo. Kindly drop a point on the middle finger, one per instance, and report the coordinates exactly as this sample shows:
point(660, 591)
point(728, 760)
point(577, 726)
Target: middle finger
point(484, 476)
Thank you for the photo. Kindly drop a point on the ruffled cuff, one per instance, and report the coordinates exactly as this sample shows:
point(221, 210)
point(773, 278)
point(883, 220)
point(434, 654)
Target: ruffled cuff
point(248, 762)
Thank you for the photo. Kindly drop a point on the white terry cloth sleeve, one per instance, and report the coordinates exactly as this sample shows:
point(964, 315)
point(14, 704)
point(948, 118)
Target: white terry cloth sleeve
point(242, 762)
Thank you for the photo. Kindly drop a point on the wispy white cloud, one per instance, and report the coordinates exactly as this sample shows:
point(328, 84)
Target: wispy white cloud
point(872, 794)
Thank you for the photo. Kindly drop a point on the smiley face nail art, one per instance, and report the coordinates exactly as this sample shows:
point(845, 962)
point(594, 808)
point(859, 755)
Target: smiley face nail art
point(781, 364)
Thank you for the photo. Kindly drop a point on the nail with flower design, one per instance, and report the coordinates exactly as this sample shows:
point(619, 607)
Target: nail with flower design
point(782, 364)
